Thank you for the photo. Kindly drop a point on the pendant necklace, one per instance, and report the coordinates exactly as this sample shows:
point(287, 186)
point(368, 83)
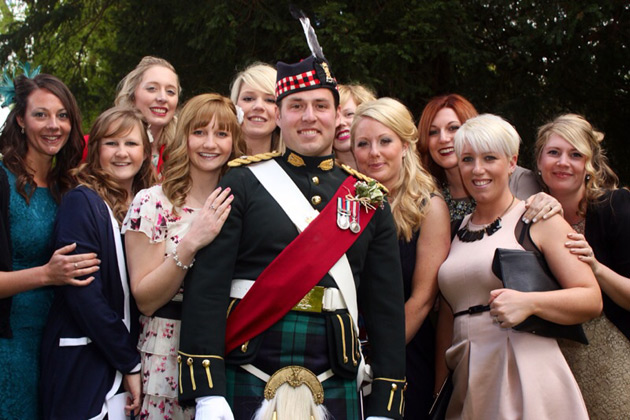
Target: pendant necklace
point(466, 235)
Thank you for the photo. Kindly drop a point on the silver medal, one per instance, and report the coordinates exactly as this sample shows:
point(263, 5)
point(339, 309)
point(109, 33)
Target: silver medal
point(354, 225)
point(343, 214)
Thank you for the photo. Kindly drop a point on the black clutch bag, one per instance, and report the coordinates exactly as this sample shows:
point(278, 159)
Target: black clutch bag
point(527, 271)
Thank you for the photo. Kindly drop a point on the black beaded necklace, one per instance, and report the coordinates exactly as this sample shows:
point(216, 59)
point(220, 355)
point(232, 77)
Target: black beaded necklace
point(466, 235)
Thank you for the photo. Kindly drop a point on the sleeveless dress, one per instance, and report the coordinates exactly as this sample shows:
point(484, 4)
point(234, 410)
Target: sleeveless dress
point(31, 240)
point(500, 373)
point(420, 352)
point(152, 214)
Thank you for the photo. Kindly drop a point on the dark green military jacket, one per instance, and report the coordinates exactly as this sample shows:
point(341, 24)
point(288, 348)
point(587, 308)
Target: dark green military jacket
point(256, 231)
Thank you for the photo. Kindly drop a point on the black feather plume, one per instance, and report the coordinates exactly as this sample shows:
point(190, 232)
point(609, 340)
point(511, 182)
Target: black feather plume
point(311, 37)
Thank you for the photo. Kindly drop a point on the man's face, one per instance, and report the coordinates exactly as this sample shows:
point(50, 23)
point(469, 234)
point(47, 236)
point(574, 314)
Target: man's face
point(308, 120)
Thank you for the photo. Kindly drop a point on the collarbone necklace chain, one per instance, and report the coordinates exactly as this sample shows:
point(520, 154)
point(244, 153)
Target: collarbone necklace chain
point(466, 235)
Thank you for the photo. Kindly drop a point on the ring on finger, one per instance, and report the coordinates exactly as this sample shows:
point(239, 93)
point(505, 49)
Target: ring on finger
point(550, 207)
point(76, 266)
point(213, 208)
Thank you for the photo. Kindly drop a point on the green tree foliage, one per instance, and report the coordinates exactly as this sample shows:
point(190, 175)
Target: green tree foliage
point(527, 60)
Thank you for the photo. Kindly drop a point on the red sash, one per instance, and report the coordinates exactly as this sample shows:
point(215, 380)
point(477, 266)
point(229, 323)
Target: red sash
point(295, 271)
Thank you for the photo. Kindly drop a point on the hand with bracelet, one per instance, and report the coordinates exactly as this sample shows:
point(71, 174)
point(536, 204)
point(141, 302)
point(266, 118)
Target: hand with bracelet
point(156, 273)
point(165, 227)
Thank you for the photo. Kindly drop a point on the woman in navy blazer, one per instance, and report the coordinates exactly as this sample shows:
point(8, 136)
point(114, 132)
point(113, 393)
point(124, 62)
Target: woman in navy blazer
point(89, 346)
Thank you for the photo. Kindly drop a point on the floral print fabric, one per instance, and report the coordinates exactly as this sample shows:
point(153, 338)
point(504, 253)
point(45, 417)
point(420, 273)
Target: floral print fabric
point(152, 214)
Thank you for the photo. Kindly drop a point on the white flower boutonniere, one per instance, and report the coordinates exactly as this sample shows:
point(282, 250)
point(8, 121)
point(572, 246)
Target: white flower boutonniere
point(368, 194)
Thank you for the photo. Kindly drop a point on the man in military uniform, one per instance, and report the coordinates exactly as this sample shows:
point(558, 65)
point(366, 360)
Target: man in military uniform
point(295, 332)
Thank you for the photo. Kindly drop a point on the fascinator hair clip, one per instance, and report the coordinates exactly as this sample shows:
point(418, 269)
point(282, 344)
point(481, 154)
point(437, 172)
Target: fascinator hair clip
point(7, 88)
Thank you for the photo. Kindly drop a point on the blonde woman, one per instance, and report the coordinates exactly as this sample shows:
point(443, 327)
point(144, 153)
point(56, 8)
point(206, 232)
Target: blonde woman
point(350, 97)
point(153, 88)
point(573, 168)
point(253, 91)
point(384, 139)
point(440, 120)
point(499, 372)
point(165, 227)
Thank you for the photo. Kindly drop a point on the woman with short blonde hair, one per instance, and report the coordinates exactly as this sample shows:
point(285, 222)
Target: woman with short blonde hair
point(253, 91)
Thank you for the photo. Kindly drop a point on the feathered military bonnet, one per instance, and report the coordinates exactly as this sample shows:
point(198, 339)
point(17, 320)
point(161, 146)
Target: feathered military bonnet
point(310, 73)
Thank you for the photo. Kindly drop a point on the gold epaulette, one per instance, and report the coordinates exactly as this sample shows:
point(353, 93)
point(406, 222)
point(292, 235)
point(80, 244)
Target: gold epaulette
point(362, 177)
point(246, 160)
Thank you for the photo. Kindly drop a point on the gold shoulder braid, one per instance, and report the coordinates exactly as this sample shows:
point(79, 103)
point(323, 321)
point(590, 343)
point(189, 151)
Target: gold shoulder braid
point(362, 177)
point(246, 160)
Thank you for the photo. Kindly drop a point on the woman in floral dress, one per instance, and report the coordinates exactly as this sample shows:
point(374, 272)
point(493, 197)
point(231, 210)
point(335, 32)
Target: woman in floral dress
point(164, 228)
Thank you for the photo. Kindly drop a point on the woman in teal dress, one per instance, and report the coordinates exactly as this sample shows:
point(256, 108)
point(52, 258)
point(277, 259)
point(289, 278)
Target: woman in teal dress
point(40, 142)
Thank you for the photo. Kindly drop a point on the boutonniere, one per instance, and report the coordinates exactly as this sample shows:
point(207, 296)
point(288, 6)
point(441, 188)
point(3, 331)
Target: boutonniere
point(368, 194)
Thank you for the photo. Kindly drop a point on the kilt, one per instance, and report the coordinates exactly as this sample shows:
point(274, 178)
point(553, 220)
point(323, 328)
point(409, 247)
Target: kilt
point(297, 339)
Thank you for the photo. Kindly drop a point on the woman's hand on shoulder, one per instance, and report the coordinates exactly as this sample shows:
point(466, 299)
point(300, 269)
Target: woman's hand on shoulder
point(578, 246)
point(63, 269)
point(210, 219)
point(541, 206)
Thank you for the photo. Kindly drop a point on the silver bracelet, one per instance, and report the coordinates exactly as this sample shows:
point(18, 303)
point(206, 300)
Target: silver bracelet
point(179, 263)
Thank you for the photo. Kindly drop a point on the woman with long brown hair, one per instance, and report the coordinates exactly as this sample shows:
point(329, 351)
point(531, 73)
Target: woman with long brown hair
point(41, 141)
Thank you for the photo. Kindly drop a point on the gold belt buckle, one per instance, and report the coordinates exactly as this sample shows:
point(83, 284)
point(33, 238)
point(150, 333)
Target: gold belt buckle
point(312, 302)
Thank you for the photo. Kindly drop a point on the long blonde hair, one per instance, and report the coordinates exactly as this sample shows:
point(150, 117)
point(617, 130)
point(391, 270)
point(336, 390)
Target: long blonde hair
point(196, 113)
point(576, 130)
point(414, 187)
point(114, 122)
point(126, 91)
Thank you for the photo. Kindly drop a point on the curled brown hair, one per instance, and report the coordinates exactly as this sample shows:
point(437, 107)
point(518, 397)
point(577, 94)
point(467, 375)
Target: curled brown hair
point(14, 146)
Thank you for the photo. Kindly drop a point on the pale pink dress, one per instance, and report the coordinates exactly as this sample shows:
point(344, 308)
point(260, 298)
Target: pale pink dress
point(152, 214)
point(500, 373)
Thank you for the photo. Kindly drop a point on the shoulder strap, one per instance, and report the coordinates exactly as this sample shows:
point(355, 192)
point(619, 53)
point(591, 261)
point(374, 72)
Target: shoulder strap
point(521, 232)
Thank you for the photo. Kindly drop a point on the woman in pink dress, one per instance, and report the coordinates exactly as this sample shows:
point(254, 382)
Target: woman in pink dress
point(498, 372)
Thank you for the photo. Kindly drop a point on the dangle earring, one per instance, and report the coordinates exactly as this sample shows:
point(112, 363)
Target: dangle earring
point(22, 129)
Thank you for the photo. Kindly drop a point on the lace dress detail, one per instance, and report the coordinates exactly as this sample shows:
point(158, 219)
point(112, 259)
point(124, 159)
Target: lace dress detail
point(152, 214)
point(602, 368)
point(31, 240)
point(457, 207)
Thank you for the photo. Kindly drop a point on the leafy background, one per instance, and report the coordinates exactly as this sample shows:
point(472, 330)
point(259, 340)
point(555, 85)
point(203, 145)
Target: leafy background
point(527, 61)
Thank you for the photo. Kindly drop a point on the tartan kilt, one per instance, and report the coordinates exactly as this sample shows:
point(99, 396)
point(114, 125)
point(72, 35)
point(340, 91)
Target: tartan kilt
point(297, 339)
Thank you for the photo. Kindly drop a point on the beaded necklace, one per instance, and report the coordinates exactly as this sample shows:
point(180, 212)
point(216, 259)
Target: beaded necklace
point(466, 235)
